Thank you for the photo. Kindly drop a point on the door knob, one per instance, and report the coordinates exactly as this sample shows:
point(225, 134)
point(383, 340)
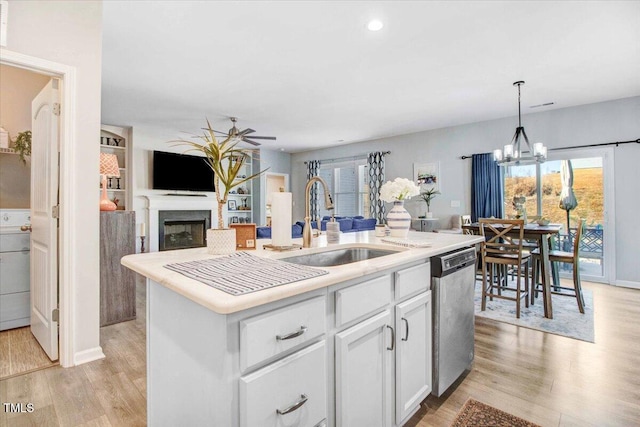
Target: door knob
point(25, 228)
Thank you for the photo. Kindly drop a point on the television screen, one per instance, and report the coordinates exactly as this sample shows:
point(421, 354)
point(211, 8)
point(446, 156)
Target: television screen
point(173, 171)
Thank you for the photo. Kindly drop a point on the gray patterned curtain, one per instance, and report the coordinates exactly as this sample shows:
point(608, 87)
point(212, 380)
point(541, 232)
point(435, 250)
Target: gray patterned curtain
point(313, 169)
point(375, 161)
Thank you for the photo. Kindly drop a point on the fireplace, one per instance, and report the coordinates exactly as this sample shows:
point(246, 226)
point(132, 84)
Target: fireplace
point(177, 208)
point(182, 229)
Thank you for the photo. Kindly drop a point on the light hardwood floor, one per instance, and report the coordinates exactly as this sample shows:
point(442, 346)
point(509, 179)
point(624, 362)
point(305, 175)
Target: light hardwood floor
point(546, 379)
point(20, 353)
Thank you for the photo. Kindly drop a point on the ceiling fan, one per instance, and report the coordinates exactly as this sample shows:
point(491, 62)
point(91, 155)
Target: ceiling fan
point(242, 134)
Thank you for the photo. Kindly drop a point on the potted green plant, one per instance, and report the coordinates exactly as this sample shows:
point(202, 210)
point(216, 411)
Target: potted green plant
point(22, 145)
point(226, 159)
point(428, 196)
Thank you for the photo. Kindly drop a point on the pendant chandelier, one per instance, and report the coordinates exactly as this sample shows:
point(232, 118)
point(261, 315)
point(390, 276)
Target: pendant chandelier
point(512, 153)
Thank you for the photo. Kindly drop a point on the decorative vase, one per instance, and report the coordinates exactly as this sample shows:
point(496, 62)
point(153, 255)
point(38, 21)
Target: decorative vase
point(221, 241)
point(429, 214)
point(398, 220)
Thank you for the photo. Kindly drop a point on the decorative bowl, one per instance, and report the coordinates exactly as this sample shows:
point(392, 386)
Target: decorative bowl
point(543, 221)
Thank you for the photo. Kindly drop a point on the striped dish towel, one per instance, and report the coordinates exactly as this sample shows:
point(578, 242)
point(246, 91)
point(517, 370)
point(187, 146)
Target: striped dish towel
point(242, 273)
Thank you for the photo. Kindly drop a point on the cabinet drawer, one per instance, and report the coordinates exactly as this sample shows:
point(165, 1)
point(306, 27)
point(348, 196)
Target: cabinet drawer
point(413, 280)
point(269, 334)
point(297, 382)
point(356, 301)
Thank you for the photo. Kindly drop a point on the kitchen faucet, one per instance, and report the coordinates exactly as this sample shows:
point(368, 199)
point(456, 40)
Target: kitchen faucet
point(328, 204)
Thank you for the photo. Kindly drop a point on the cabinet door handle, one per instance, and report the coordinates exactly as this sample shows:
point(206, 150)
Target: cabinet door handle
point(299, 403)
point(393, 339)
point(406, 322)
point(288, 336)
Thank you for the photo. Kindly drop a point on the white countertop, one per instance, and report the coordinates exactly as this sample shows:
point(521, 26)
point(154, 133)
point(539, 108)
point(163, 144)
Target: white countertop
point(152, 264)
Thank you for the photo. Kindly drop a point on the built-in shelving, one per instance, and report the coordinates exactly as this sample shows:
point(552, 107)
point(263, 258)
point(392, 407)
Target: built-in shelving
point(117, 140)
point(242, 197)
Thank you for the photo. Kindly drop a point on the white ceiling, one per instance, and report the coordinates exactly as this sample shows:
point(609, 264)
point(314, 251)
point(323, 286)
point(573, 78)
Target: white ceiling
point(311, 74)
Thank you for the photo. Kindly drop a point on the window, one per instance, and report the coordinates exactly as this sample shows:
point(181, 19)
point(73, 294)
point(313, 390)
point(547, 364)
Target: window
point(349, 187)
point(541, 185)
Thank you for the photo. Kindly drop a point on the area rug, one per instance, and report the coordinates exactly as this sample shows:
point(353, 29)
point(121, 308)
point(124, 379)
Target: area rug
point(478, 414)
point(567, 320)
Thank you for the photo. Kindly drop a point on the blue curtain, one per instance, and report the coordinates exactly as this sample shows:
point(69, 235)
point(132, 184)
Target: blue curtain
point(487, 193)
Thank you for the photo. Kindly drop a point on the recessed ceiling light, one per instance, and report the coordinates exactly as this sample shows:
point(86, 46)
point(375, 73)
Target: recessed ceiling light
point(375, 25)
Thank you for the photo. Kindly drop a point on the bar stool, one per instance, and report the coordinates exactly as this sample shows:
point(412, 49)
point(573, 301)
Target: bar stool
point(561, 256)
point(502, 250)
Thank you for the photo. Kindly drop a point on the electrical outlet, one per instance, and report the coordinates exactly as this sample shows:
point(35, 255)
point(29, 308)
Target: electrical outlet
point(455, 203)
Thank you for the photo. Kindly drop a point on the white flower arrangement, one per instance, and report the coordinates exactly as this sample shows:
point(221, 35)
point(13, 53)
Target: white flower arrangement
point(398, 189)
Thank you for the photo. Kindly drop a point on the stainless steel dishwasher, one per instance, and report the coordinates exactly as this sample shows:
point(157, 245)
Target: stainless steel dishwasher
point(453, 281)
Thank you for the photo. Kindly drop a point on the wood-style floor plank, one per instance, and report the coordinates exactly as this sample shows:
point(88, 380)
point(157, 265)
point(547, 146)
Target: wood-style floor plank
point(547, 379)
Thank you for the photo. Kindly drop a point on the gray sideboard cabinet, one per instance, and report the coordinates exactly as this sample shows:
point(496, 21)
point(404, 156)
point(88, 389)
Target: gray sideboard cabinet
point(117, 283)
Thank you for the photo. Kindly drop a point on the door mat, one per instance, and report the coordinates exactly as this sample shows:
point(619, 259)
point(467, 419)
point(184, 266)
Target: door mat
point(567, 320)
point(478, 414)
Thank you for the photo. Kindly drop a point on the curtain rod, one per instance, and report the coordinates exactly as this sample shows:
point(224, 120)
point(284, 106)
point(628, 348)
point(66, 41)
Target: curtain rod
point(361, 156)
point(617, 143)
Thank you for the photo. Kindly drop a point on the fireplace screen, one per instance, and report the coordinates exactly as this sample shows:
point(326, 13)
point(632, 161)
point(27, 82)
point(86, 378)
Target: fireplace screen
point(183, 234)
point(182, 229)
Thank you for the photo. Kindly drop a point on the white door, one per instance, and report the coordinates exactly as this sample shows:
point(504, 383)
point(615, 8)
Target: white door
point(413, 354)
point(44, 235)
point(363, 373)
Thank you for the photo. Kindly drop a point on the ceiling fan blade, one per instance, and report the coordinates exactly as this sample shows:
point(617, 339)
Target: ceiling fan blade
point(245, 131)
point(272, 138)
point(251, 142)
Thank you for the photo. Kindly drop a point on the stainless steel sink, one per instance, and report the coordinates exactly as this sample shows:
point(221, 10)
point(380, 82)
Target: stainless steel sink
point(340, 256)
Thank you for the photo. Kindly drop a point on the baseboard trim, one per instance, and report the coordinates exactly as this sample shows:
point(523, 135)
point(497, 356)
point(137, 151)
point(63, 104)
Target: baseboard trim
point(628, 284)
point(87, 356)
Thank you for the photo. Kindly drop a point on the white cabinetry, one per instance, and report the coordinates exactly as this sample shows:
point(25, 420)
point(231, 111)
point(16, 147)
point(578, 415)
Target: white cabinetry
point(413, 354)
point(363, 373)
point(117, 140)
point(291, 392)
point(353, 354)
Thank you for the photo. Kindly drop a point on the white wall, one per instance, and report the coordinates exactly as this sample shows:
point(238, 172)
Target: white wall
point(18, 88)
point(587, 124)
point(70, 33)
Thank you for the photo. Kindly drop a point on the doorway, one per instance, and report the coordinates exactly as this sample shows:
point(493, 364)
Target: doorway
point(66, 283)
point(592, 186)
point(273, 183)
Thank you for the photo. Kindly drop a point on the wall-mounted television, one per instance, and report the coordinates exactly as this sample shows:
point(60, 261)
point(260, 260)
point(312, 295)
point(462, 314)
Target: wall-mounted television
point(173, 171)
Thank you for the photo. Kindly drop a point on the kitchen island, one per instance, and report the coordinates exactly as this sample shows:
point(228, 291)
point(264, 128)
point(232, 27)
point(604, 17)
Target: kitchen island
point(350, 347)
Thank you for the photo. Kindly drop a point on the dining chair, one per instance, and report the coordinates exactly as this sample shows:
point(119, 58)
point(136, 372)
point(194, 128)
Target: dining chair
point(569, 258)
point(500, 250)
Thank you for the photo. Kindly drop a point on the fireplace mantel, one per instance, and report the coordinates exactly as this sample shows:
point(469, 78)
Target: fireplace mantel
point(178, 203)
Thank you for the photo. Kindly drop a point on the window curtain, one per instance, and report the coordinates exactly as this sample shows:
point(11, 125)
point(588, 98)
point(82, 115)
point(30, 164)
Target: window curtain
point(375, 163)
point(487, 193)
point(313, 169)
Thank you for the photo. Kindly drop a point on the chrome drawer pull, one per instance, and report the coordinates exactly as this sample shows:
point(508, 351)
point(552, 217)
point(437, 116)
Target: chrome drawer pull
point(393, 339)
point(406, 338)
point(297, 333)
point(299, 403)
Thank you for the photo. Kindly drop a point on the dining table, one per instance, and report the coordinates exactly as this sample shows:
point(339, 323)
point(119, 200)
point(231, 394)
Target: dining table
point(542, 234)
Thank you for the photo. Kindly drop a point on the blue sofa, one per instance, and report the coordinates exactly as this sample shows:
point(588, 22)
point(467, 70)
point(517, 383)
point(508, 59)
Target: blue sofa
point(347, 225)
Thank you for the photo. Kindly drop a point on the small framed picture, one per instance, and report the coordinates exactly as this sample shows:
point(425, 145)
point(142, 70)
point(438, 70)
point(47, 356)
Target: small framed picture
point(232, 205)
point(234, 220)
